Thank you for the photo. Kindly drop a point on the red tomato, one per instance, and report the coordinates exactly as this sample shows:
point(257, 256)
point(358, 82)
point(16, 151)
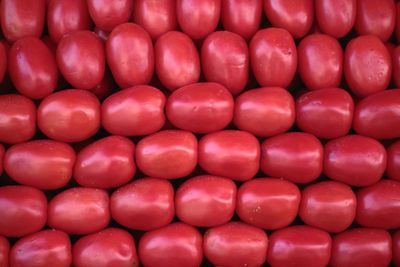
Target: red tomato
point(105, 88)
point(295, 16)
point(45, 248)
point(335, 17)
point(18, 123)
point(69, 115)
point(361, 247)
point(268, 203)
point(376, 17)
point(32, 67)
point(167, 154)
point(241, 16)
point(378, 116)
point(396, 65)
point(206, 201)
point(265, 111)
point(154, 204)
point(4, 251)
point(294, 156)
point(134, 111)
point(103, 35)
point(326, 113)
point(397, 26)
point(200, 107)
point(177, 61)
point(230, 153)
point(65, 16)
point(116, 247)
point(22, 18)
point(393, 161)
point(23, 210)
point(156, 17)
point(3, 61)
point(198, 18)
point(225, 60)
point(108, 14)
point(270, 48)
point(235, 244)
point(396, 248)
point(175, 245)
point(79, 210)
point(367, 65)
point(2, 152)
point(298, 246)
point(130, 55)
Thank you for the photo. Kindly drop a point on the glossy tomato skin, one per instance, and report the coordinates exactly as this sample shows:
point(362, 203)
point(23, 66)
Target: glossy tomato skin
point(4, 251)
point(156, 17)
point(299, 245)
point(294, 156)
point(393, 161)
point(367, 65)
point(235, 244)
point(23, 209)
point(326, 113)
point(45, 248)
point(79, 210)
point(2, 152)
point(396, 248)
point(116, 247)
point(22, 18)
point(19, 118)
point(336, 17)
point(360, 247)
point(396, 64)
point(198, 18)
point(177, 61)
point(265, 111)
point(206, 201)
point(65, 16)
point(79, 110)
point(176, 245)
point(270, 48)
point(130, 55)
point(108, 14)
point(230, 153)
point(3, 60)
point(154, 204)
point(200, 107)
point(168, 154)
point(397, 26)
point(32, 68)
point(268, 203)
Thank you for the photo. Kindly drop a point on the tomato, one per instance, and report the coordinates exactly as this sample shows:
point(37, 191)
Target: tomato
point(116, 247)
point(206, 201)
point(268, 49)
point(295, 16)
point(175, 245)
point(299, 246)
point(326, 113)
point(167, 154)
point(23, 210)
point(396, 248)
point(22, 18)
point(45, 248)
point(3, 60)
point(361, 247)
point(103, 35)
point(335, 17)
point(69, 115)
point(32, 67)
point(79, 210)
point(4, 251)
point(294, 156)
point(135, 111)
point(156, 17)
point(230, 153)
point(393, 161)
point(200, 107)
point(396, 65)
point(198, 18)
point(154, 204)
point(268, 203)
point(105, 88)
point(397, 26)
point(265, 111)
point(378, 116)
point(367, 65)
point(18, 123)
point(177, 61)
point(235, 244)
point(108, 14)
point(130, 55)
point(65, 16)
point(2, 152)
point(241, 16)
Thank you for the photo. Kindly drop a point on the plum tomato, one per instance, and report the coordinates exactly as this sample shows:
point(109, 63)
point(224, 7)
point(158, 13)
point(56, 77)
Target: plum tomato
point(4, 251)
point(3, 60)
point(397, 26)
point(393, 161)
point(396, 248)
point(107, 14)
point(396, 65)
point(2, 152)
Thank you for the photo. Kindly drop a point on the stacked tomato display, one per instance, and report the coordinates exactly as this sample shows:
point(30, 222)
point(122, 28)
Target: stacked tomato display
point(199, 133)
